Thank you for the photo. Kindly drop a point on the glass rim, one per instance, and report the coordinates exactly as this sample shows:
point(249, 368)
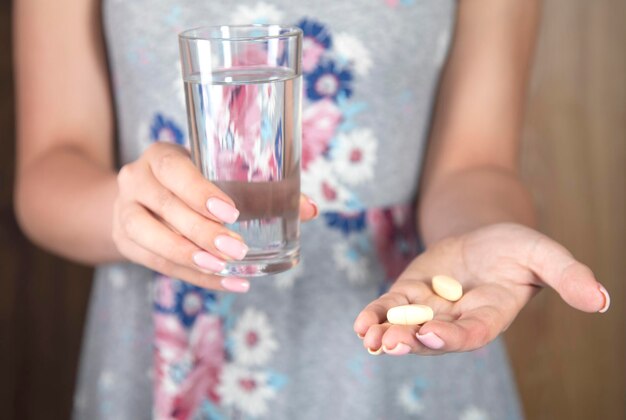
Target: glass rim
point(191, 34)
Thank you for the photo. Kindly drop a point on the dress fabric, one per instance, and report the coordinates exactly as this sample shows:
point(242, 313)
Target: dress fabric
point(157, 347)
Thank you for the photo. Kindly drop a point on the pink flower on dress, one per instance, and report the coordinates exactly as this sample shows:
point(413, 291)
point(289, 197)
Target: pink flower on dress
point(170, 346)
point(243, 114)
point(164, 291)
point(315, 40)
point(251, 55)
point(249, 158)
point(232, 166)
point(171, 339)
point(395, 237)
point(266, 168)
point(205, 353)
point(319, 123)
point(311, 53)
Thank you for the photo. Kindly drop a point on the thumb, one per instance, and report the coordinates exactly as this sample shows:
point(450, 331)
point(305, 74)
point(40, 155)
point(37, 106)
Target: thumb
point(575, 283)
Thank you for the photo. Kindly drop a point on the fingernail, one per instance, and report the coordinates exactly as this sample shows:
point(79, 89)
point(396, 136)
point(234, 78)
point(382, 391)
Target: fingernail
point(208, 262)
point(361, 336)
point(375, 352)
point(230, 246)
point(399, 350)
point(222, 210)
point(235, 284)
point(607, 300)
point(316, 210)
point(430, 340)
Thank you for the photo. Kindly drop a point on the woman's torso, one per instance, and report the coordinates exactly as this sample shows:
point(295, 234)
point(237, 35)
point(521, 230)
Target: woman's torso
point(286, 350)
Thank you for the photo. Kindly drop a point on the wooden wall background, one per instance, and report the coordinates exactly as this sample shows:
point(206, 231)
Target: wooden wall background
point(572, 365)
point(569, 365)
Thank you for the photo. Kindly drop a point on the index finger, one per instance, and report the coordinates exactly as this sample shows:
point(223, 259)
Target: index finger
point(376, 312)
point(173, 168)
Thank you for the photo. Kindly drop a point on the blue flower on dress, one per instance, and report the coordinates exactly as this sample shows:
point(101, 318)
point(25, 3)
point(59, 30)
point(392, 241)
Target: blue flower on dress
point(313, 30)
point(189, 302)
point(347, 222)
point(327, 80)
point(165, 129)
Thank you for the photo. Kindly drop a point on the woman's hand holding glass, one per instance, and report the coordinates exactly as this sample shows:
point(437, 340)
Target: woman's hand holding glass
point(169, 218)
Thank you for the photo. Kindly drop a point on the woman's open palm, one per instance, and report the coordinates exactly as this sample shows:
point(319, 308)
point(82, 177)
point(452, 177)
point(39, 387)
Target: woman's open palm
point(501, 267)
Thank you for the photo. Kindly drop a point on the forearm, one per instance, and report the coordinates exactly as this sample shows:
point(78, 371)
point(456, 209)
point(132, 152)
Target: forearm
point(64, 203)
point(466, 200)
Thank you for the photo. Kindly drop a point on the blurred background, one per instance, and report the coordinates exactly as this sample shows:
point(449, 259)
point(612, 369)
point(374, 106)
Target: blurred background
point(568, 365)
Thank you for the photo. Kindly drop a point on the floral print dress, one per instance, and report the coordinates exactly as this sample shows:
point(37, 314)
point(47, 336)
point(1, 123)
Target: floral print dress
point(157, 347)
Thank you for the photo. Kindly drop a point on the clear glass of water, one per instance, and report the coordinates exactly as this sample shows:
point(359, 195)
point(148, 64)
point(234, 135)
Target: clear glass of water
point(243, 87)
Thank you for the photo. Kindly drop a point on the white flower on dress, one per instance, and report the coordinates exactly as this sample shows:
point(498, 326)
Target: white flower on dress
point(168, 354)
point(473, 413)
point(351, 49)
point(409, 401)
point(253, 338)
point(320, 183)
point(354, 156)
point(259, 13)
point(348, 260)
point(286, 280)
point(245, 390)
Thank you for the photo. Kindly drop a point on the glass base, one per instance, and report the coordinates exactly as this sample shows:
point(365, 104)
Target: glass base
point(262, 265)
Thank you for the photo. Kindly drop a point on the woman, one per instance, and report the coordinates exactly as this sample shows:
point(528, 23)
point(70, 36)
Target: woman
point(284, 349)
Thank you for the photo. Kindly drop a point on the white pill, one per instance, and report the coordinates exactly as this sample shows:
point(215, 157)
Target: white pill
point(447, 287)
point(410, 314)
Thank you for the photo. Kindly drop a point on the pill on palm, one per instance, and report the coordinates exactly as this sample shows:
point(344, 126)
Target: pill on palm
point(410, 314)
point(447, 287)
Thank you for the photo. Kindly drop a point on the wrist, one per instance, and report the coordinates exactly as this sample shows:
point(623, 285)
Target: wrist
point(467, 200)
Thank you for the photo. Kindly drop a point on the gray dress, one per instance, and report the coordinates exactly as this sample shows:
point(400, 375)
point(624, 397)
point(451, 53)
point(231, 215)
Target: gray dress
point(158, 347)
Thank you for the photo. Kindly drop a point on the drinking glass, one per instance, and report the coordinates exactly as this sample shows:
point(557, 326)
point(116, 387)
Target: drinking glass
point(243, 88)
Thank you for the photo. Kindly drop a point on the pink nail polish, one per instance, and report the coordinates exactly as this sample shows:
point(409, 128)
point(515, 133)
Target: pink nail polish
point(399, 350)
point(431, 340)
point(607, 300)
point(222, 210)
point(316, 209)
point(230, 246)
point(235, 284)
point(375, 352)
point(208, 262)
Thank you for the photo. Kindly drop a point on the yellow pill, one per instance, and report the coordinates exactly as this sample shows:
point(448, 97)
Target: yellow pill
point(410, 314)
point(447, 287)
